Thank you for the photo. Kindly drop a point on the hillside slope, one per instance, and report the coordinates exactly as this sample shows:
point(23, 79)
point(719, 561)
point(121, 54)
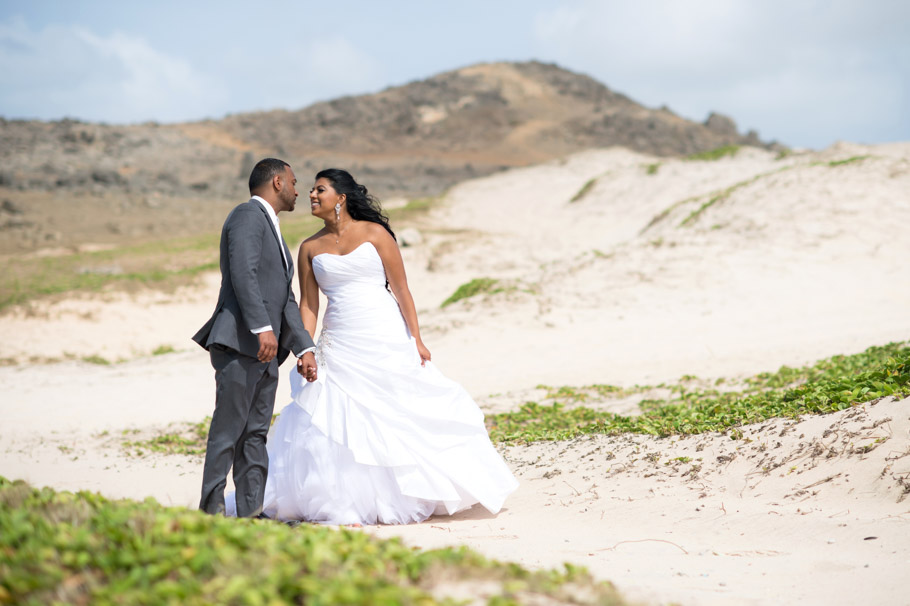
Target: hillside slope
point(149, 180)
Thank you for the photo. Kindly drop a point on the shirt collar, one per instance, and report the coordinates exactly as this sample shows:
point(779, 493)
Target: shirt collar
point(268, 209)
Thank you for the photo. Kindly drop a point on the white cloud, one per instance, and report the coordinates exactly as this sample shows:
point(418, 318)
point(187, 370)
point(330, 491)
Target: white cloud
point(315, 69)
point(336, 63)
point(70, 71)
point(804, 72)
point(291, 72)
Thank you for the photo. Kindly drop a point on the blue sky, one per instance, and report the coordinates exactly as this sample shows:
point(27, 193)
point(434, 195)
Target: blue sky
point(804, 72)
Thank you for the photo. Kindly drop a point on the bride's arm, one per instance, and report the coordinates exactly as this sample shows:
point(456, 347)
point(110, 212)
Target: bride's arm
point(309, 291)
point(398, 282)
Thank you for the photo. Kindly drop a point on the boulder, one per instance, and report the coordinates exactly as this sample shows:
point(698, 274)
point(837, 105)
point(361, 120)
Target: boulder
point(721, 124)
point(410, 237)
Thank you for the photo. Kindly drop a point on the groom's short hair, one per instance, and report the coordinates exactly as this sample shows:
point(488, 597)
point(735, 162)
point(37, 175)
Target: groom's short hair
point(263, 172)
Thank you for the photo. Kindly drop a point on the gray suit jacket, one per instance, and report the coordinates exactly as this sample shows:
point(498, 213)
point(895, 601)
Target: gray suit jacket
point(255, 287)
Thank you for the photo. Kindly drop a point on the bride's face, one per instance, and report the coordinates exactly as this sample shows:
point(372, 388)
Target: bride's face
point(323, 199)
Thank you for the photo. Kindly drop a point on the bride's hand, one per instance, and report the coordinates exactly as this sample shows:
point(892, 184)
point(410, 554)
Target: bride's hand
point(424, 353)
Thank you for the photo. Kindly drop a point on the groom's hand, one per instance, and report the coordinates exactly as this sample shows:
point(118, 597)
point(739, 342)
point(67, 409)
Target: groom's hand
point(306, 366)
point(268, 346)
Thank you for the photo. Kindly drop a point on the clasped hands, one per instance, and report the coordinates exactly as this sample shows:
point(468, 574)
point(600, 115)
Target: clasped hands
point(268, 349)
point(306, 366)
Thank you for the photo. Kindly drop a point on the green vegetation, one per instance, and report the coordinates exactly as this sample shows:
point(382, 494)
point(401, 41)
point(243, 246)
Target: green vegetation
point(651, 169)
point(710, 202)
point(585, 189)
point(574, 395)
point(190, 439)
point(848, 160)
point(163, 349)
point(469, 289)
point(721, 196)
point(413, 208)
point(96, 359)
point(166, 263)
point(829, 385)
point(180, 438)
point(714, 154)
point(665, 213)
point(84, 549)
point(160, 264)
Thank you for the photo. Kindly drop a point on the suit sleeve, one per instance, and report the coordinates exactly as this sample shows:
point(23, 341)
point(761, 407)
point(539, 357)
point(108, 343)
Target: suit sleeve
point(292, 325)
point(245, 236)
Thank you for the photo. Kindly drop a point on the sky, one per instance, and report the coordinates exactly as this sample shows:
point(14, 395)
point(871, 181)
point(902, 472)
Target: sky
point(806, 73)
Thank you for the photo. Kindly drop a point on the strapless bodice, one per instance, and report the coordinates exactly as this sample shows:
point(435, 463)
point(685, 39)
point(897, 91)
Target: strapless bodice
point(361, 267)
point(355, 286)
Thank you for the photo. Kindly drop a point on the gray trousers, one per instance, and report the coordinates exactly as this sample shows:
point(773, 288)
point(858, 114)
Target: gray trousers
point(244, 400)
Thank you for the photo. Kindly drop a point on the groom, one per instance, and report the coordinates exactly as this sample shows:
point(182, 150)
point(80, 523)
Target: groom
point(256, 322)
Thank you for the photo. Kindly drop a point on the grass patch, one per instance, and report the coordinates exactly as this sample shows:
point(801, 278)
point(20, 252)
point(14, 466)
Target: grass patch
point(163, 263)
point(469, 289)
point(96, 359)
point(829, 385)
point(160, 264)
point(163, 349)
point(851, 160)
point(181, 438)
point(720, 196)
point(714, 154)
point(710, 202)
point(413, 208)
point(651, 169)
point(665, 213)
point(166, 263)
point(585, 189)
point(84, 549)
point(189, 440)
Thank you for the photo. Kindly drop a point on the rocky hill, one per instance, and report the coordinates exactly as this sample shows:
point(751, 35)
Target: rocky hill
point(412, 140)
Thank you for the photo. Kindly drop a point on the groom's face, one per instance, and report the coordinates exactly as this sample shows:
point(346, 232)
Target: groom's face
point(288, 192)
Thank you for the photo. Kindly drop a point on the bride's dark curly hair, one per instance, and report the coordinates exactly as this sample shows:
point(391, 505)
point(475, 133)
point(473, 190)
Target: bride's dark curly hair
point(362, 206)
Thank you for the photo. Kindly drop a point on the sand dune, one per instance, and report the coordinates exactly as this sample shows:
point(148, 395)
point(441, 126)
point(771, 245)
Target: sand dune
point(658, 268)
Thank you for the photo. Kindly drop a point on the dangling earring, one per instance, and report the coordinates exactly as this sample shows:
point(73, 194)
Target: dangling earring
point(338, 212)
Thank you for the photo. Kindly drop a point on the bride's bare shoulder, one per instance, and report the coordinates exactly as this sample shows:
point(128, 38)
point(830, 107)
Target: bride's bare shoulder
point(319, 234)
point(376, 233)
point(308, 246)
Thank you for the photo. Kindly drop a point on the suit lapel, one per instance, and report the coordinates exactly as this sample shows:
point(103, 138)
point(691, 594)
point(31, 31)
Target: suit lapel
point(290, 265)
point(281, 245)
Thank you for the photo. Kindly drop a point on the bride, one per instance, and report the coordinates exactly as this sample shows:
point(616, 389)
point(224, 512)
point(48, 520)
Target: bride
point(381, 436)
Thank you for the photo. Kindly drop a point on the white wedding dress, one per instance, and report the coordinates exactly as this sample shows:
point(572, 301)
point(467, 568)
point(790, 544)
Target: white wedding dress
point(378, 438)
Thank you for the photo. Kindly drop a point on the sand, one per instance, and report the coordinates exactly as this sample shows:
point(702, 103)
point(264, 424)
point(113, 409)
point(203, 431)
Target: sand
point(789, 261)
